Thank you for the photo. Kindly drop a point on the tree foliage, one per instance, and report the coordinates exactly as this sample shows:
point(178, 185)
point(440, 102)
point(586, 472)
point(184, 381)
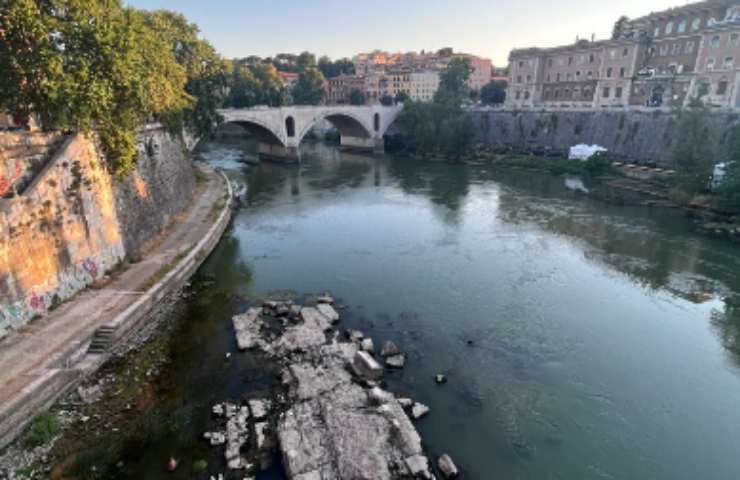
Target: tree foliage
point(619, 27)
point(440, 127)
point(357, 97)
point(254, 84)
point(728, 192)
point(331, 69)
point(453, 82)
point(81, 65)
point(309, 89)
point(692, 154)
point(494, 92)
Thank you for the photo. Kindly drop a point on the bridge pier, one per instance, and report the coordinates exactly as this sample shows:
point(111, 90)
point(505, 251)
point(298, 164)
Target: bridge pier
point(374, 145)
point(277, 152)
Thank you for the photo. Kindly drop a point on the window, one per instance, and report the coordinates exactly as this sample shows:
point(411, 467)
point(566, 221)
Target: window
point(735, 40)
point(568, 76)
point(557, 93)
point(618, 92)
point(729, 63)
point(526, 95)
point(695, 24)
point(521, 64)
point(570, 60)
point(590, 74)
point(567, 94)
point(715, 41)
point(519, 79)
point(621, 72)
point(591, 58)
point(557, 78)
point(612, 54)
point(548, 77)
point(675, 49)
point(625, 52)
point(682, 26)
point(609, 72)
point(710, 63)
point(518, 94)
point(549, 62)
point(689, 47)
point(605, 92)
point(722, 87)
point(669, 28)
point(529, 78)
point(656, 33)
point(663, 50)
point(578, 74)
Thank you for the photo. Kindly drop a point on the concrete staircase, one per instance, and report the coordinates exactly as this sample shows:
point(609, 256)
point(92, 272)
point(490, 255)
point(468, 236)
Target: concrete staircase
point(101, 340)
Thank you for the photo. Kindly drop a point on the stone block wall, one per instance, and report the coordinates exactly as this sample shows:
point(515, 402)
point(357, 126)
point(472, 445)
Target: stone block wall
point(161, 186)
point(75, 222)
point(643, 136)
point(22, 156)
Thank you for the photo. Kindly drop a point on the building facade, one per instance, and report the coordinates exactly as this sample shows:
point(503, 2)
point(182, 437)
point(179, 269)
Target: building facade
point(665, 59)
point(340, 88)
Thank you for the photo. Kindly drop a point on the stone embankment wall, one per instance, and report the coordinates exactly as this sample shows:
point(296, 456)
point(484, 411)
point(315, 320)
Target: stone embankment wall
point(74, 222)
point(641, 136)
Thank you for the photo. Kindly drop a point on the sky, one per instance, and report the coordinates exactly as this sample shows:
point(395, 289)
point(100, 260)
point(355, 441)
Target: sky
point(339, 28)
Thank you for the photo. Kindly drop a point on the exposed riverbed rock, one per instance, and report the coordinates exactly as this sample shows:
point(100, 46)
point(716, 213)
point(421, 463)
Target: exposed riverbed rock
point(447, 467)
point(389, 349)
point(395, 361)
point(247, 328)
point(419, 410)
point(333, 426)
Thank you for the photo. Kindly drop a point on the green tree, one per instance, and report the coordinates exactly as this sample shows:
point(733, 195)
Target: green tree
point(440, 127)
point(309, 89)
point(619, 27)
point(727, 196)
point(357, 97)
point(692, 154)
point(493, 93)
point(453, 82)
point(206, 73)
point(386, 100)
point(401, 97)
point(331, 69)
point(93, 64)
point(305, 60)
point(270, 84)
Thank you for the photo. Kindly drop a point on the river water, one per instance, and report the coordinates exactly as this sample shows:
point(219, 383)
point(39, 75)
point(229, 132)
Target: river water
point(581, 340)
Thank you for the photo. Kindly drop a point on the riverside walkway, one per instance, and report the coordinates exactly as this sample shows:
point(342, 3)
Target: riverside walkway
point(50, 356)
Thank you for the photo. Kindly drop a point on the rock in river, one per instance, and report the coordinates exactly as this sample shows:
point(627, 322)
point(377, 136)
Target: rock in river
point(447, 466)
point(389, 349)
point(419, 410)
point(396, 361)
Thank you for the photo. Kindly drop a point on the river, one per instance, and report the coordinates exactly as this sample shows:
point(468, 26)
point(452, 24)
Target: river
point(581, 340)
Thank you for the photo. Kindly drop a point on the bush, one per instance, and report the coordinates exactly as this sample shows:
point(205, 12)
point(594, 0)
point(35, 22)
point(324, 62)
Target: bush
point(200, 466)
point(598, 164)
point(42, 430)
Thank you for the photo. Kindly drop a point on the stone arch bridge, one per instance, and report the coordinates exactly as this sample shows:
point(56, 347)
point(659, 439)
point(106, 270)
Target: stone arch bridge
point(279, 131)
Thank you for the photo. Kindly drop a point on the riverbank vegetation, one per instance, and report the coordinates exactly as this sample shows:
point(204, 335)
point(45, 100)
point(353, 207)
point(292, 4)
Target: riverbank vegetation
point(86, 65)
point(440, 127)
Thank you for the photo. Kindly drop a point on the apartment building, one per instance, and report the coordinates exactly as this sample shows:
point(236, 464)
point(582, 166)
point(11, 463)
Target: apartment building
point(339, 89)
point(660, 60)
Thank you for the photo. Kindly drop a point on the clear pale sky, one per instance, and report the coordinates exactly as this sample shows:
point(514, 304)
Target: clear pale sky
point(488, 28)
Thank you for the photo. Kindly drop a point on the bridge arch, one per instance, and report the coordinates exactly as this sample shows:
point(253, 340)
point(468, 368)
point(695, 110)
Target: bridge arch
point(347, 123)
point(261, 130)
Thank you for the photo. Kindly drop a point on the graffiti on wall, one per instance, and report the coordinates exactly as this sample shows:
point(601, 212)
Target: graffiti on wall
point(69, 282)
point(11, 174)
